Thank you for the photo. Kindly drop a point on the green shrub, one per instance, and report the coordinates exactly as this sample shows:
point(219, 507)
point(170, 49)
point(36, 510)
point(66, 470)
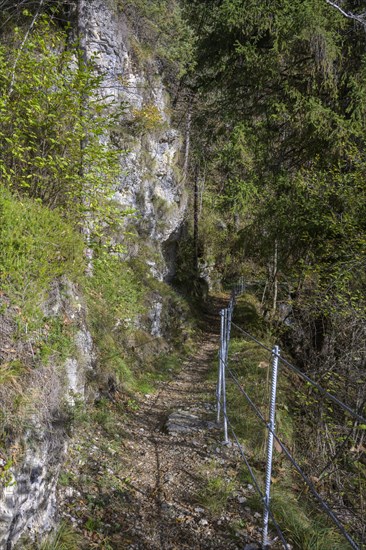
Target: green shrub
point(54, 127)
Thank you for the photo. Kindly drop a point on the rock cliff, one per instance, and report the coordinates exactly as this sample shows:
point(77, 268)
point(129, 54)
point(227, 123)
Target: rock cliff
point(35, 417)
point(150, 183)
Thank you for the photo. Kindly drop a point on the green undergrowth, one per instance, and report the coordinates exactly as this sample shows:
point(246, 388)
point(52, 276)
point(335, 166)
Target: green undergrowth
point(40, 256)
point(37, 247)
point(250, 365)
point(115, 299)
point(302, 527)
point(215, 490)
point(161, 369)
point(120, 296)
point(65, 538)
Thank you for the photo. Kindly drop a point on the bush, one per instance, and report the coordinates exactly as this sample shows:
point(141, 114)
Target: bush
point(54, 127)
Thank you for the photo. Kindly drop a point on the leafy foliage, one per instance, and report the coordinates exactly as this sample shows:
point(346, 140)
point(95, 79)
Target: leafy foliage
point(54, 125)
point(279, 120)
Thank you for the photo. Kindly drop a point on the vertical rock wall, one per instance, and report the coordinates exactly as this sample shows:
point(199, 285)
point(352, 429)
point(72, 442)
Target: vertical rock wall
point(150, 183)
point(28, 487)
point(150, 180)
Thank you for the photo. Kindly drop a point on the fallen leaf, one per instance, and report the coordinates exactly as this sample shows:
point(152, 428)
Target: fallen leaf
point(359, 449)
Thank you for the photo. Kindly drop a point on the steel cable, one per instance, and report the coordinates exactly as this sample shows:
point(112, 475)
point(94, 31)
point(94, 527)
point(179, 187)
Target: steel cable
point(258, 413)
point(322, 390)
point(311, 486)
point(252, 337)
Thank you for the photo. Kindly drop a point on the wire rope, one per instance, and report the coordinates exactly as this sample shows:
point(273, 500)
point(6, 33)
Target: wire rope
point(311, 486)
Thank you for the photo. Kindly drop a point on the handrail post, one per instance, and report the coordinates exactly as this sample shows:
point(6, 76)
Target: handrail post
point(230, 317)
point(221, 355)
point(271, 429)
point(224, 364)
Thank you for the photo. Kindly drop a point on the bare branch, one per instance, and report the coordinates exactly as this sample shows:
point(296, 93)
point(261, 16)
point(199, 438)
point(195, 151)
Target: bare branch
point(23, 44)
point(359, 18)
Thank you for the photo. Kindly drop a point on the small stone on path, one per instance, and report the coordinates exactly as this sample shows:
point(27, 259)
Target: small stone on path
point(183, 422)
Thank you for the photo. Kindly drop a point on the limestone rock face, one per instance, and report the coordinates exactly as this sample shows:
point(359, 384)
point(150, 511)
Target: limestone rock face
point(65, 301)
point(28, 502)
point(149, 181)
point(28, 488)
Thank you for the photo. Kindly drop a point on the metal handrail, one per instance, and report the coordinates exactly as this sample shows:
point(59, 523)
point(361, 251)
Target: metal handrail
point(224, 370)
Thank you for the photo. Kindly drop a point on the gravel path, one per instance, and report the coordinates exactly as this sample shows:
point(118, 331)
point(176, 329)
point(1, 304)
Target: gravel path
point(170, 448)
point(174, 439)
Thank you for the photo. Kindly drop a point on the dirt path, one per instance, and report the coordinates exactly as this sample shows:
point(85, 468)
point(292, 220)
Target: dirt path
point(170, 450)
point(168, 461)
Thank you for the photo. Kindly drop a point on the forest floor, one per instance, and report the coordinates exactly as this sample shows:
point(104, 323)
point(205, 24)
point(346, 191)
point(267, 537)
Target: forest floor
point(159, 477)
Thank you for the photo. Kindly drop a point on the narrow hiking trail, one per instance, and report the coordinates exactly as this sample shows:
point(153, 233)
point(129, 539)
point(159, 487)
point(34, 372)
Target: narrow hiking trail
point(165, 482)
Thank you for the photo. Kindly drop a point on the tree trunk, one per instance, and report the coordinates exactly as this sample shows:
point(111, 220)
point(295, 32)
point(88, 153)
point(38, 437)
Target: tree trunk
point(83, 60)
point(187, 144)
point(195, 223)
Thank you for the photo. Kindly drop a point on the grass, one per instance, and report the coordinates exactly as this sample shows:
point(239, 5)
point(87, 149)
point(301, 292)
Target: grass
point(11, 371)
point(65, 538)
point(37, 246)
point(57, 340)
point(161, 369)
point(252, 366)
point(248, 316)
point(216, 489)
point(119, 297)
point(302, 527)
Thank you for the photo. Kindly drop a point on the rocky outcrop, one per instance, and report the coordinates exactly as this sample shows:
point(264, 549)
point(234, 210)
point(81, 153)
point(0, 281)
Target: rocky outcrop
point(149, 181)
point(65, 302)
point(28, 502)
point(30, 470)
